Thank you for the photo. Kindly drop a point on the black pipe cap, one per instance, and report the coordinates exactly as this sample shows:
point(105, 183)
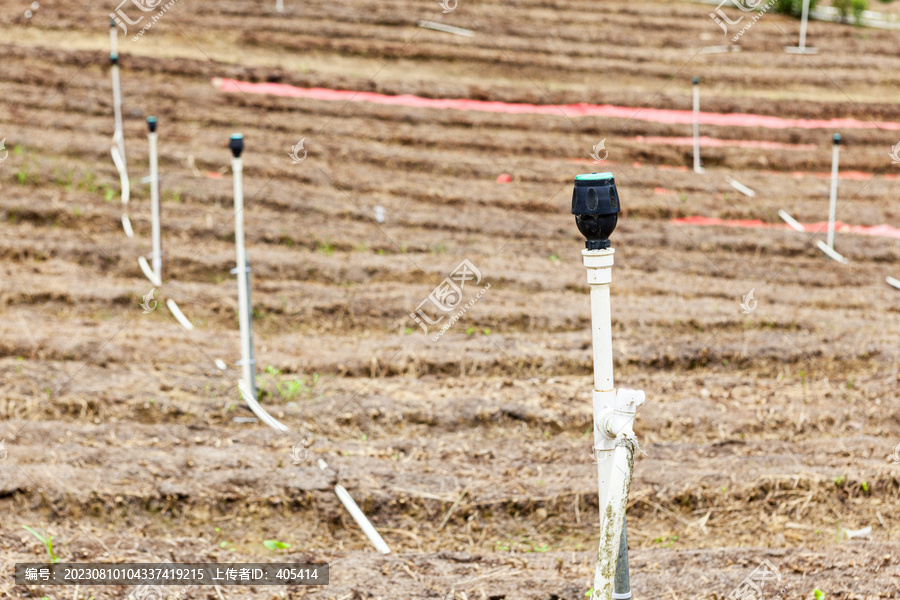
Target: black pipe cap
point(595, 204)
point(236, 144)
point(151, 124)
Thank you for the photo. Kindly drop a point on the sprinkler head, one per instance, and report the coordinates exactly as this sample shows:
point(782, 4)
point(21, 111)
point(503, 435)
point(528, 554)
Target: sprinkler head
point(236, 144)
point(595, 204)
point(112, 23)
point(114, 58)
point(837, 139)
point(696, 80)
point(151, 124)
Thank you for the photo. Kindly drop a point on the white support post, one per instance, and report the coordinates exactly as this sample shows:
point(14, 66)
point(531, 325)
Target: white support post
point(804, 20)
point(832, 197)
point(599, 274)
point(697, 167)
point(237, 169)
point(828, 246)
point(156, 257)
point(279, 6)
point(802, 48)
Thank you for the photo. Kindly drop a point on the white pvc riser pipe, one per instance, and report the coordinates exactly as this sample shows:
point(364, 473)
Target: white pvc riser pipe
point(237, 168)
point(697, 167)
point(804, 19)
point(613, 519)
point(154, 207)
point(832, 198)
point(599, 265)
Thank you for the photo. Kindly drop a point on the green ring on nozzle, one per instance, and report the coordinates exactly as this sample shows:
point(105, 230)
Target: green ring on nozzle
point(593, 176)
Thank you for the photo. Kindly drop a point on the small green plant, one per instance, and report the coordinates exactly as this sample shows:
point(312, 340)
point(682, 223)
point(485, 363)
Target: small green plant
point(46, 540)
point(274, 545)
point(326, 248)
point(554, 258)
point(666, 542)
point(839, 480)
point(818, 594)
point(589, 593)
point(847, 7)
point(793, 8)
point(864, 485)
point(290, 389)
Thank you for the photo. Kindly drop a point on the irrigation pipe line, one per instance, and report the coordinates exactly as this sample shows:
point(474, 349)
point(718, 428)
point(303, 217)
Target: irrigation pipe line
point(357, 514)
point(740, 187)
point(126, 189)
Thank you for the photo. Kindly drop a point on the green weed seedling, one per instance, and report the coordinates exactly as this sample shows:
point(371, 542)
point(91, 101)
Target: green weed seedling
point(46, 540)
point(274, 545)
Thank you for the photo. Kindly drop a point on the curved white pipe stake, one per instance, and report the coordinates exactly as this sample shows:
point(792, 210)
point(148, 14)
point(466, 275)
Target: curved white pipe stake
point(154, 199)
point(258, 410)
point(126, 225)
point(119, 135)
point(831, 253)
point(893, 282)
point(123, 175)
point(741, 187)
point(794, 223)
point(361, 520)
point(446, 28)
point(148, 272)
point(179, 316)
point(357, 514)
point(697, 167)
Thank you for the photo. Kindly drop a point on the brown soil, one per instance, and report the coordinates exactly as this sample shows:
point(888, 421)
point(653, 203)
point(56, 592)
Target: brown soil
point(766, 434)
